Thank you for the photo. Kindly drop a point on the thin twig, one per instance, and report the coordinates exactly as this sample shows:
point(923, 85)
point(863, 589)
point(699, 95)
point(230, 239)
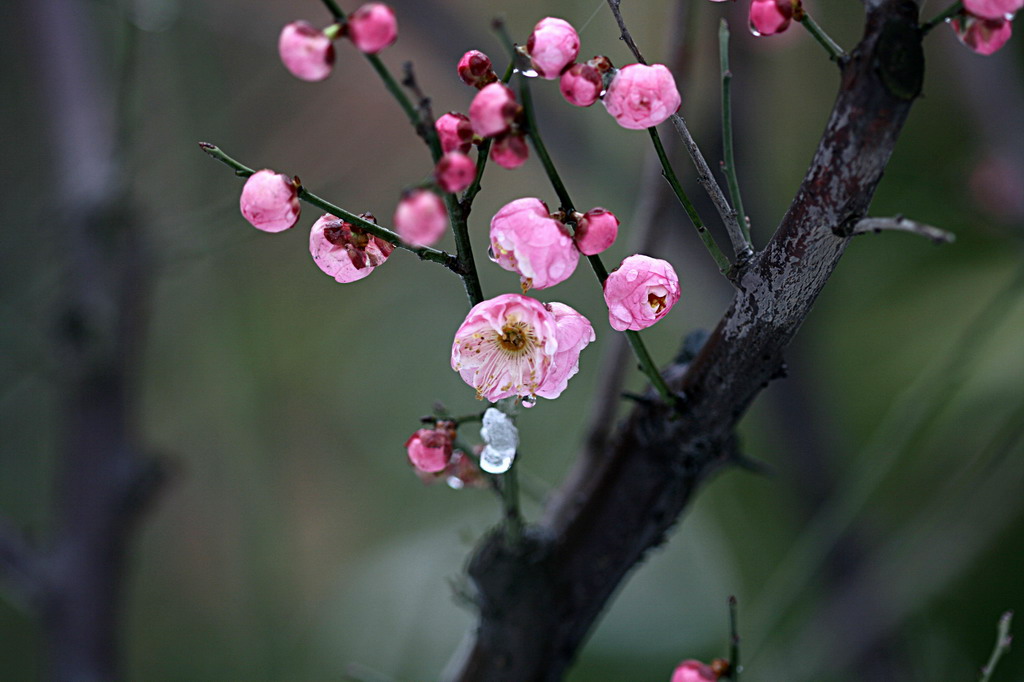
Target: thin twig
point(705, 177)
point(1003, 641)
point(702, 231)
point(729, 162)
point(734, 642)
point(424, 252)
point(835, 52)
point(901, 224)
point(949, 13)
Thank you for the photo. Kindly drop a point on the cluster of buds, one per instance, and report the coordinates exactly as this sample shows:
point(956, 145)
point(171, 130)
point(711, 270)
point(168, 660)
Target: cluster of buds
point(495, 113)
point(308, 53)
point(433, 456)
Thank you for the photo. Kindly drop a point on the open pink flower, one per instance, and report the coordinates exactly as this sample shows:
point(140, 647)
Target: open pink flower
point(421, 218)
point(505, 347)
point(493, 110)
point(526, 239)
point(306, 52)
point(596, 231)
point(510, 151)
point(640, 292)
point(553, 46)
point(270, 201)
point(642, 96)
point(694, 671)
point(993, 9)
point(581, 85)
point(429, 450)
point(455, 132)
point(984, 36)
point(344, 253)
point(372, 27)
point(573, 333)
point(768, 17)
point(455, 172)
point(475, 69)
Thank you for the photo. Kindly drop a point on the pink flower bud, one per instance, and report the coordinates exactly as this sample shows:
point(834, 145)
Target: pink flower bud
point(270, 201)
point(984, 36)
point(455, 172)
point(581, 85)
point(421, 217)
point(429, 450)
point(455, 132)
point(640, 292)
point(372, 27)
point(553, 46)
point(527, 240)
point(694, 671)
point(596, 231)
point(345, 253)
point(641, 96)
point(493, 110)
point(768, 17)
point(475, 69)
point(573, 332)
point(505, 347)
point(510, 151)
point(993, 9)
point(306, 52)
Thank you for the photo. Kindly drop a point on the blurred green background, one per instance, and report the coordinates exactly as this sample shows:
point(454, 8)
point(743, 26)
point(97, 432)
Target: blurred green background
point(294, 539)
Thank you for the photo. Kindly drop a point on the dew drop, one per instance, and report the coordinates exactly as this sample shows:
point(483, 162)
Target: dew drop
point(529, 401)
point(754, 31)
point(455, 483)
point(490, 253)
point(527, 73)
point(632, 275)
point(496, 461)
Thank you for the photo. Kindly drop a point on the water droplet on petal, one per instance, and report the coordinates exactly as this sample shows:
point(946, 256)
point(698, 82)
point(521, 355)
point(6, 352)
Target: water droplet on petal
point(529, 401)
point(754, 30)
point(527, 73)
point(632, 275)
point(490, 253)
point(455, 483)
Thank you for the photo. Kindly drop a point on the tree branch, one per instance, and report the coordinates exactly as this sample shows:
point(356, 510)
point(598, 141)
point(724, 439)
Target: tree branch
point(538, 602)
point(901, 224)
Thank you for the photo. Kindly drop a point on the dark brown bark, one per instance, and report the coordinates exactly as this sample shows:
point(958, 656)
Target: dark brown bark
point(539, 600)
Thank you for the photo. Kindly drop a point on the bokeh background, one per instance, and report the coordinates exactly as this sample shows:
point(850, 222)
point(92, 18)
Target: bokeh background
point(294, 540)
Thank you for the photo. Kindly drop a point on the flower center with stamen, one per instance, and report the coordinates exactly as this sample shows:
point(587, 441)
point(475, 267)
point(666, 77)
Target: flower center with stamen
point(656, 302)
point(513, 337)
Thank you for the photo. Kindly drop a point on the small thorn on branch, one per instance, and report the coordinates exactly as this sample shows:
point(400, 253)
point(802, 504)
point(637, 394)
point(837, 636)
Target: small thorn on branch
point(901, 224)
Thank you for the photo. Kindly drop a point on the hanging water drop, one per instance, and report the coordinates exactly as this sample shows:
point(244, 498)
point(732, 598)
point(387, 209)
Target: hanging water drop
point(496, 461)
point(529, 401)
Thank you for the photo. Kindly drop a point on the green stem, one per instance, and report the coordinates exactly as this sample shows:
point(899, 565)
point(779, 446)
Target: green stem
point(702, 231)
point(1003, 639)
point(510, 501)
point(335, 11)
point(635, 342)
point(949, 13)
point(734, 642)
point(729, 166)
point(424, 252)
point(835, 53)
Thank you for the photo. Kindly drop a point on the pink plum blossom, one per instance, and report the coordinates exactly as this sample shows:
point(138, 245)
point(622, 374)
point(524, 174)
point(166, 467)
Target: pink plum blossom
point(596, 231)
point(510, 150)
point(421, 217)
point(993, 9)
point(344, 253)
point(694, 671)
point(553, 46)
point(455, 132)
point(306, 52)
point(493, 110)
point(642, 96)
point(270, 201)
point(581, 85)
point(455, 172)
point(429, 450)
point(984, 36)
point(475, 69)
point(372, 27)
point(527, 240)
point(768, 17)
point(505, 347)
point(573, 332)
point(640, 292)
